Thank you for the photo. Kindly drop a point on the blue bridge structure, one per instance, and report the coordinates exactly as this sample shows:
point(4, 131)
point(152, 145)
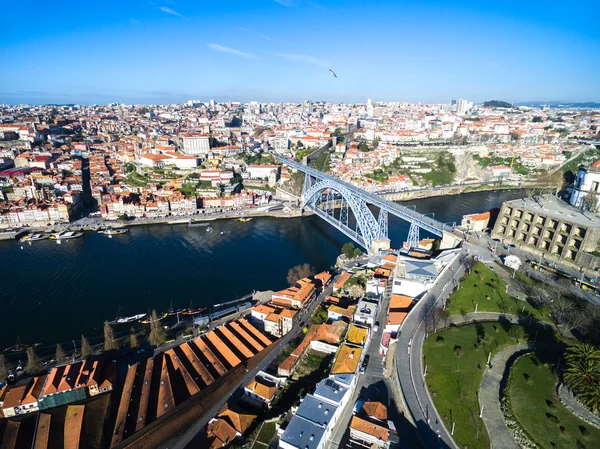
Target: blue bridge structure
point(323, 194)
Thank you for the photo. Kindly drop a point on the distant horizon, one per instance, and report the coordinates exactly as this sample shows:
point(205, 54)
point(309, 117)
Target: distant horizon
point(517, 103)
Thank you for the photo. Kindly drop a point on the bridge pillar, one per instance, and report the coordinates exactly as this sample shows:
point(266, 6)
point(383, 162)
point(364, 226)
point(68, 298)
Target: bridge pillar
point(379, 244)
point(449, 241)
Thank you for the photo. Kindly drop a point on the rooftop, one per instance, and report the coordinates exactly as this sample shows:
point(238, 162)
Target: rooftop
point(555, 208)
point(346, 361)
point(302, 433)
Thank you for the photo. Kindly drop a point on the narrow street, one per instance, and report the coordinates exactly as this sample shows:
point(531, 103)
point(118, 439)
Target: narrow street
point(374, 385)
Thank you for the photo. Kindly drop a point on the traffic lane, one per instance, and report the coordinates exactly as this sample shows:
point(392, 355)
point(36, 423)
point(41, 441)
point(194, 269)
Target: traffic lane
point(414, 394)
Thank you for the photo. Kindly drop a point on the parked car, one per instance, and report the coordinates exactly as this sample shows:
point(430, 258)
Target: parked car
point(364, 365)
point(376, 327)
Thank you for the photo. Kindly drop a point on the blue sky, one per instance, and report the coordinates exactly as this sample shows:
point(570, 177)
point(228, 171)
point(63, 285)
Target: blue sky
point(280, 50)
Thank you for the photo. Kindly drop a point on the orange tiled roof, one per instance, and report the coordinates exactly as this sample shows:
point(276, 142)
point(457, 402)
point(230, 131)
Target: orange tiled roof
point(400, 302)
point(238, 419)
point(362, 425)
point(73, 425)
point(396, 317)
point(356, 335)
point(346, 361)
point(375, 410)
point(43, 431)
point(222, 431)
point(261, 389)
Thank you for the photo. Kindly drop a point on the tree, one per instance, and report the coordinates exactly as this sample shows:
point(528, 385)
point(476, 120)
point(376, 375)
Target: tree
point(133, 341)
point(582, 374)
point(110, 344)
point(86, 349)
point(348, 250)
point(34, 365)
point(537, 119)
point(299, 272)
point(2, 367)
point(60, 355)
point(157, 333)
point(356, 291)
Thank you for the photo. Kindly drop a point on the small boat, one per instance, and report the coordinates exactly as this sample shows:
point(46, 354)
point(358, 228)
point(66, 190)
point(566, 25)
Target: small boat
point(245, 220)
point(193, 311)
point(34, 237)
point(66, 235)
point(128, 319)
point(160, 317)
point(20, 347)
point(209, 229)
point(110, 231)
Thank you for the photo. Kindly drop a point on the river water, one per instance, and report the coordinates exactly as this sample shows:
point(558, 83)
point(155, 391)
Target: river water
point(53, 293)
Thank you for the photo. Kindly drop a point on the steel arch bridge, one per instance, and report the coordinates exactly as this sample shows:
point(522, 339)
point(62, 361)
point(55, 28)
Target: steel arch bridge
point(323, 194)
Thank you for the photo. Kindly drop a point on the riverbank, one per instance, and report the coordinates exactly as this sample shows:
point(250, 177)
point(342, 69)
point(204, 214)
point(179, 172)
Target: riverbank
point(432, 192)
point(95, 224)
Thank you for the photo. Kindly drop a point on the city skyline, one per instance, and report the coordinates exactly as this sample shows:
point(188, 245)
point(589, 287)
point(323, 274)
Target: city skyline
point(282, 50)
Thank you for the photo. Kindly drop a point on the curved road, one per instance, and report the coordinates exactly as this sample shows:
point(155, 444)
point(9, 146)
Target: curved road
point(409, 362)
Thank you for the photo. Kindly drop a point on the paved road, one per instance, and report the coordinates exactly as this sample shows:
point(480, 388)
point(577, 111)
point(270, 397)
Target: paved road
point(489, 394)
point(182, 441)
point(409, 362)
point(479, 245)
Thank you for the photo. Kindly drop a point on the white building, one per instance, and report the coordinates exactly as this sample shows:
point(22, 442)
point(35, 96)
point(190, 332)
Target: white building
point(195, 144)
point(261, 171)
point(587, 182)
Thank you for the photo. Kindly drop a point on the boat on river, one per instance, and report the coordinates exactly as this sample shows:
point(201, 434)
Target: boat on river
point(34, 237)
point(64, 235)
point(21, 347)
point(128, 319)
point(160, 317)
point(245, 220)
point(110, 231)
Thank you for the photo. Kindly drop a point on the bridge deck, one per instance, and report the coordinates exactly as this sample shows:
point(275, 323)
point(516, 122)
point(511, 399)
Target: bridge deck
point(421, 220)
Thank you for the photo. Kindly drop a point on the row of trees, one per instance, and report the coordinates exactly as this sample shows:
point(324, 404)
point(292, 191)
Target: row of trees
point(156, 337)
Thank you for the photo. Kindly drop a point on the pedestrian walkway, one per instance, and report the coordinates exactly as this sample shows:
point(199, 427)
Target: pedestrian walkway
point(489, 398)
point(570, 401)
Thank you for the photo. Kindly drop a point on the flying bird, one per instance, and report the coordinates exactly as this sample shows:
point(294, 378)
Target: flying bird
point(332, 72)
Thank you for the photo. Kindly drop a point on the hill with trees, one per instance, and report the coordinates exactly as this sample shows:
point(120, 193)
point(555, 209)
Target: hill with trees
point(497, 104)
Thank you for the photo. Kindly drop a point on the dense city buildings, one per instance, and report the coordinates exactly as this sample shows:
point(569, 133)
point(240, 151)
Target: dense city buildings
point(57, 162)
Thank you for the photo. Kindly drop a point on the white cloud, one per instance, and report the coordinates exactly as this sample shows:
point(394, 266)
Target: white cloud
point(233, 51)
point(170, 11)
point(303, 58)
point(285, 2)
point(267, 38)
point(134, 21)
point(243, 29)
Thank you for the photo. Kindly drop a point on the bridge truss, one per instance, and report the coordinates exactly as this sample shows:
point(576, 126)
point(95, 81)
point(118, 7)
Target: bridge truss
point(323, 194)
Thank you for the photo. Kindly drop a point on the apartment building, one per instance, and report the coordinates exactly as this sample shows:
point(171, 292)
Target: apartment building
point(550, 226)
point(195, 144)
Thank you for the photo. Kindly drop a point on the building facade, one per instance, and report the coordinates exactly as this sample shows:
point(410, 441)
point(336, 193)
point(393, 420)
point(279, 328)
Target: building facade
point(586, 186)
point(549, 227)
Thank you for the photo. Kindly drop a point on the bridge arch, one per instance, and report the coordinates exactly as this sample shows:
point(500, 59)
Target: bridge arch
point(366, 222)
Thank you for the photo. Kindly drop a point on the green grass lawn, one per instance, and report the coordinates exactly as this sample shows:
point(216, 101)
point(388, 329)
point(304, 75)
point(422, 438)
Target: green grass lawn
point(541, 414)
point(267, 433)
point(455, 365)
point(486, 289)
